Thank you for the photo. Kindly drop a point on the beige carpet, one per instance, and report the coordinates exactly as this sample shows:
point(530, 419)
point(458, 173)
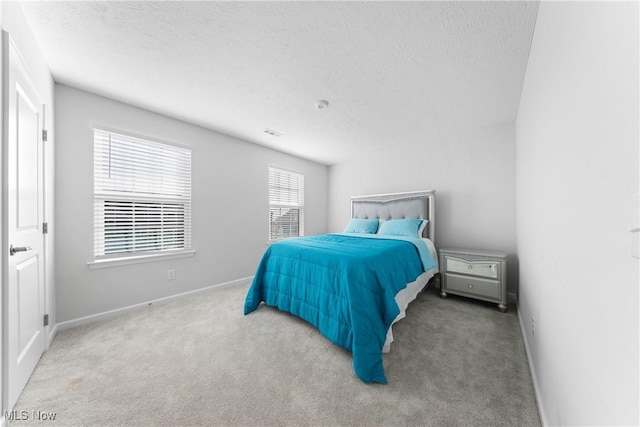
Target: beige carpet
point(200, 361)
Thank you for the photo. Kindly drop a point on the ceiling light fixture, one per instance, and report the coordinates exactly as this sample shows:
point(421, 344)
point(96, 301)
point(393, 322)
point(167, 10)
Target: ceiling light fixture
point(322, 104)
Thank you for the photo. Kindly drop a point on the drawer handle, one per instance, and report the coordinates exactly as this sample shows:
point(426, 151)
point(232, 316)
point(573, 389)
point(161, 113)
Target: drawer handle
point(470, 286)
point(470, 267)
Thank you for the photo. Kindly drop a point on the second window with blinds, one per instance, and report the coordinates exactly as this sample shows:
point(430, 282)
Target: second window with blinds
point(286, 204)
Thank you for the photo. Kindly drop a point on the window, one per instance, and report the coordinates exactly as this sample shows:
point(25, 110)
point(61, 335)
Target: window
point(142, 197)
point(286, 204)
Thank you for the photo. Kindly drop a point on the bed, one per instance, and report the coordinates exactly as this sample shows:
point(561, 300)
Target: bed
point(353, 286)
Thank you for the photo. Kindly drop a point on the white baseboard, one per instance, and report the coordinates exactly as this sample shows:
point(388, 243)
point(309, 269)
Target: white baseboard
point(120, 311)
point(532, 371)
point(52, 334)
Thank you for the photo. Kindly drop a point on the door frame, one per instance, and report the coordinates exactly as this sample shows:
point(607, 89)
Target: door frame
point(10, 51)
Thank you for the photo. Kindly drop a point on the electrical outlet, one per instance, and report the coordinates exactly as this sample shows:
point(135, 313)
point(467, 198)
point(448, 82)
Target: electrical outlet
point(635, 227)
point(171, 274)
point(533, 326)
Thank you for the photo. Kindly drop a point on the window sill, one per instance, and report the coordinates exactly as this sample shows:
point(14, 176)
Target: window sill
point(139, 259)
point(270, 242)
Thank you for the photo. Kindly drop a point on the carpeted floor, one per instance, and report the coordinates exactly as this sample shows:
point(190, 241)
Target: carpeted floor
point(200, 361)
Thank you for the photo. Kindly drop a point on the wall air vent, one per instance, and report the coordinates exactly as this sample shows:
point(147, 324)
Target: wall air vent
point(272, 132)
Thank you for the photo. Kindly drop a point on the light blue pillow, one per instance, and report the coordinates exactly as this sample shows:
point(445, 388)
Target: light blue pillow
point(400, 227)
point(359, 225)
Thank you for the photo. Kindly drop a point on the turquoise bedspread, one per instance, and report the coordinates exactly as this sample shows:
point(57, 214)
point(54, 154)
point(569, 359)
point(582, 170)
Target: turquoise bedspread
point(344, 285)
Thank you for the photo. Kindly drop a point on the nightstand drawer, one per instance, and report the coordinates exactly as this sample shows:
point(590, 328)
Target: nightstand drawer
point(475, 268)
point(473, 286)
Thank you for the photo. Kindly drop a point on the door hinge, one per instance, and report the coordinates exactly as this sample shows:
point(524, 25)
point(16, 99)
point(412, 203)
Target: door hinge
point(46, 320)
point(44, 135)
point(45, 227)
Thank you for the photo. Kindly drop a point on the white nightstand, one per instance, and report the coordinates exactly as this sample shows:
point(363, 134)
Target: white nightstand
point(475, 274)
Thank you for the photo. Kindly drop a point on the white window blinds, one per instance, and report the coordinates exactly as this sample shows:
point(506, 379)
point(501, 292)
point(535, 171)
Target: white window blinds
point(142, 196)
point(286, 204)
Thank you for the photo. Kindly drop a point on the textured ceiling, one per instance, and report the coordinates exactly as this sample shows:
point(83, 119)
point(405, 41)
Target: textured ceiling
point(402, 73)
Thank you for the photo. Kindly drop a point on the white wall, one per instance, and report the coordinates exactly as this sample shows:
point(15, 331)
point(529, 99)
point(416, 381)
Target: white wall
point(3, 386)
point(577, 170)
point(474, 178)
point(229, 211)
point(14, 23)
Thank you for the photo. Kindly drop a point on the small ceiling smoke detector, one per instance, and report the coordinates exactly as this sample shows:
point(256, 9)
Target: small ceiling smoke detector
point(272, 132)
point(322, 104)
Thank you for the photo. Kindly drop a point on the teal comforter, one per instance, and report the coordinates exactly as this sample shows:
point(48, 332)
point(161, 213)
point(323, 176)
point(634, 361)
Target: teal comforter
point(345, 285)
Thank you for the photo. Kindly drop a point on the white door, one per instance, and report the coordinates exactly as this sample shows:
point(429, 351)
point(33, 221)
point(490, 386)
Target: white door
point(24, 213)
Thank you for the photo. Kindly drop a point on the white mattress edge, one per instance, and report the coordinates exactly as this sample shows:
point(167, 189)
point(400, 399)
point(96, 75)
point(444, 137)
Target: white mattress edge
point(405, 296)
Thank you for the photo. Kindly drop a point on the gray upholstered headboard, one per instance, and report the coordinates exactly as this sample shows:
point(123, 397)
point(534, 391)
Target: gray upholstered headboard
point(415, 204)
